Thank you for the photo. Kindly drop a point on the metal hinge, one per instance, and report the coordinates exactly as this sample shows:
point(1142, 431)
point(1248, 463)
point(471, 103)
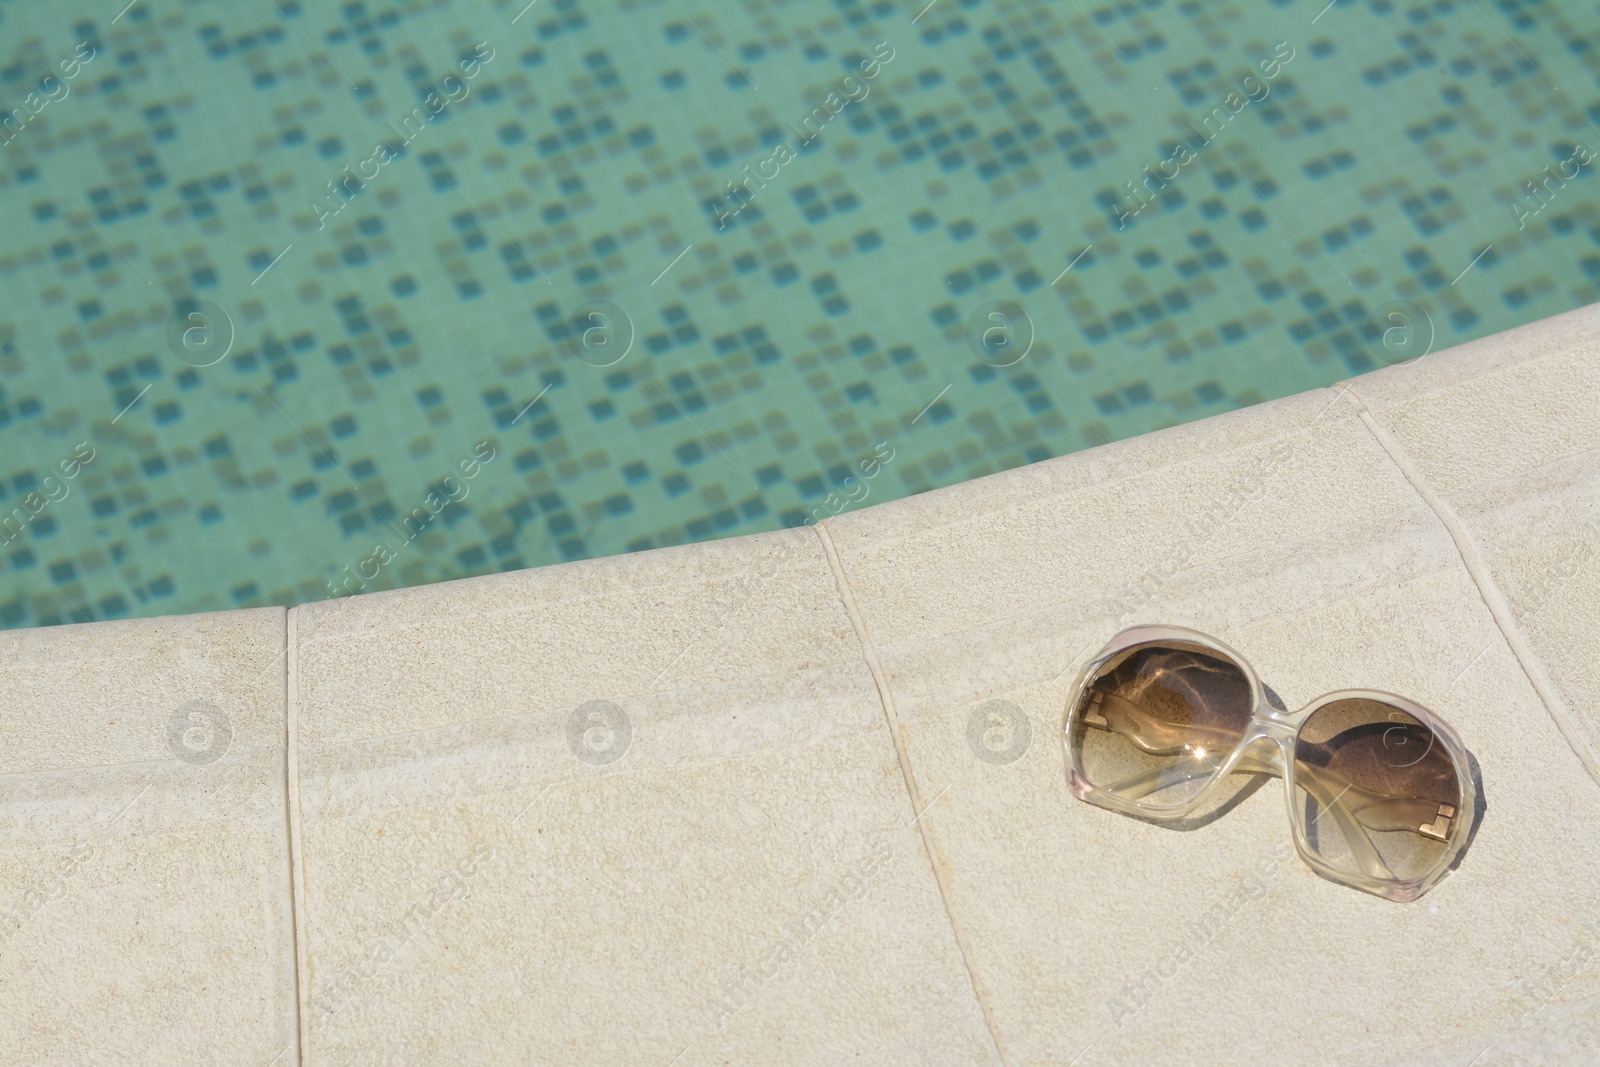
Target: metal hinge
point(1439, 829)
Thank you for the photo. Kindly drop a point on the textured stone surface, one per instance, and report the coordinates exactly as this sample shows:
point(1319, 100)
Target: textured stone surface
point(1495, 408)
point(1507, 436)
point(734, 877)
point(144, 869)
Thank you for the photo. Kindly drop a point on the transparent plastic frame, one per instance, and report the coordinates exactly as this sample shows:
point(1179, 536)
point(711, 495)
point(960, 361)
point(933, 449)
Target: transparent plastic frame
point(1267, 746)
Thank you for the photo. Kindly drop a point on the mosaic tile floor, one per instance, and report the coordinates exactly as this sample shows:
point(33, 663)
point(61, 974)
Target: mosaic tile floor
point(298, 301)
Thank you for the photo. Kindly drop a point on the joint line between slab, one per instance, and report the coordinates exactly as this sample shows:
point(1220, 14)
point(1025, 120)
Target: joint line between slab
point(1488, 591)
point(291, 784)
point(886, 697)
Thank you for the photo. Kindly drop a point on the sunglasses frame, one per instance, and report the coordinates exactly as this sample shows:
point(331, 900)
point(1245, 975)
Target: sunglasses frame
point(1277, 731)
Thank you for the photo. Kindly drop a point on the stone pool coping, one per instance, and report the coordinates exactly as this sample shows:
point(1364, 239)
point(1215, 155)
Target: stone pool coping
point(798, 797)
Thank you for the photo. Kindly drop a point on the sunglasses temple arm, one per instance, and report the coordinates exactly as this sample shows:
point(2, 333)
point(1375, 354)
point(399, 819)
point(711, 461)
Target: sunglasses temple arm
point(1359, 842)
point(1130, 719)
point(1145, 783)
point(1142, 785)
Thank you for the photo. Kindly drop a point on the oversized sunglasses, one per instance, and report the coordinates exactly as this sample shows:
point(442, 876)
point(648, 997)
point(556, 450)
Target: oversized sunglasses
point(1379, 792)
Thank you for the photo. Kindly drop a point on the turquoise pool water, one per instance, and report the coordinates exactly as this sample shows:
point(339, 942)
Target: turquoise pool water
point(301, 300)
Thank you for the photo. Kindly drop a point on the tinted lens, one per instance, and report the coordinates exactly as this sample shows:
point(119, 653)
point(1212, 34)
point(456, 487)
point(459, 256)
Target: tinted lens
point(1156, 722)
point(1377, 790)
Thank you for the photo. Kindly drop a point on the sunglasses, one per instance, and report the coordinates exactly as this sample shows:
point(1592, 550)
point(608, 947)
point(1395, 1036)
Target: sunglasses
point(1378, 789)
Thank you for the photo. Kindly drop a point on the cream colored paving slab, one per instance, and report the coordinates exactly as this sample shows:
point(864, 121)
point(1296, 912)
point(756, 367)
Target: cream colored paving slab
point(1287, 531)
point(1506, 432)
point(1495, 408)
point(145, 907)
point(644, 810)
point(1538, 534)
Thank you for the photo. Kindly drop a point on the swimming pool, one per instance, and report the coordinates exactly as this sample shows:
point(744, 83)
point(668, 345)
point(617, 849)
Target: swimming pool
point(306, 301)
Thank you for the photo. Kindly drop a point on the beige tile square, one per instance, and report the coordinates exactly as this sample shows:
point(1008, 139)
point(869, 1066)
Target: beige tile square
point(1508, 436)
point(1328, 572)
point(1538, 535)
point(638, 810)
point(144, 870)
point(1496, 407)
